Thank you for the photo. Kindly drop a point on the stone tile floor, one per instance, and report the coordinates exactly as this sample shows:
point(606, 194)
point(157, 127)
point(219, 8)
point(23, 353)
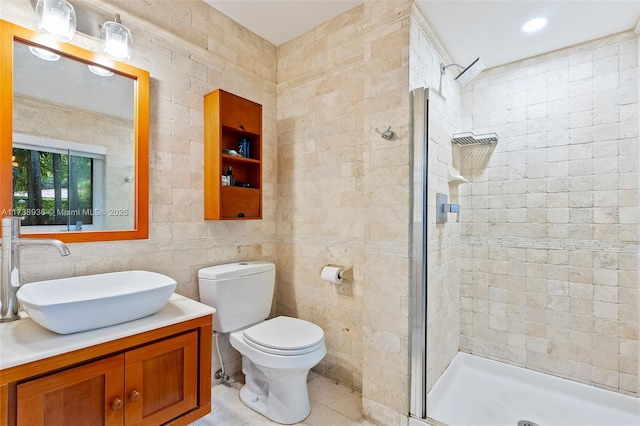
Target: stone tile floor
point(332, 404)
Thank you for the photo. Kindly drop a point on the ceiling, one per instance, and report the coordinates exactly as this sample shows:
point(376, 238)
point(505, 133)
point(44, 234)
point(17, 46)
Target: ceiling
point(467, 29)
point(279, 21)
point(491, 29)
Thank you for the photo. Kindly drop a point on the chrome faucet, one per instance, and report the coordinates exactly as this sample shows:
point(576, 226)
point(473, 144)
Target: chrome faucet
point(10, 273)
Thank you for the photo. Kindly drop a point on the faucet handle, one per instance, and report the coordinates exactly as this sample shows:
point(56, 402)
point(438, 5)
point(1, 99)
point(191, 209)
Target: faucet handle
point(455, 208)
point(11, 226)
point(12, 219)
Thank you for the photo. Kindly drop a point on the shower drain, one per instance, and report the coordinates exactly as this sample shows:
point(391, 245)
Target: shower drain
point(527, 423)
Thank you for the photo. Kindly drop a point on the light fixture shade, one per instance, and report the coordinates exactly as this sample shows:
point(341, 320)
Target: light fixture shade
point(57, 19)
point(116, 40)
point(45, 54)
point(102, 72)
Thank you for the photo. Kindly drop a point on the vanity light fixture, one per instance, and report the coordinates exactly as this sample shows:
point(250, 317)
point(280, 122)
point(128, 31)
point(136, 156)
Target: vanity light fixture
point(535, 24)
point(57, 19)
point(116, 39)
point(45, 54)
point(102, 72)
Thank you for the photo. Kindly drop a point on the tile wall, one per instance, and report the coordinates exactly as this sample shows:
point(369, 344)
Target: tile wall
point(549, 245)
point(343, 196)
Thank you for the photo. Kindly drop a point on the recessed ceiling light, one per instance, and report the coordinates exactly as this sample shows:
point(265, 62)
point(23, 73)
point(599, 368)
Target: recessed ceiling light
point(535, 24)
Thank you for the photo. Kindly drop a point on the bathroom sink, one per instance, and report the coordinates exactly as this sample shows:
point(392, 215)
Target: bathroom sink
point(70, 305)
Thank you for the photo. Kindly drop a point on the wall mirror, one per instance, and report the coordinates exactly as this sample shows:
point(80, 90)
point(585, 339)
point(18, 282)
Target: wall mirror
point(74, 131)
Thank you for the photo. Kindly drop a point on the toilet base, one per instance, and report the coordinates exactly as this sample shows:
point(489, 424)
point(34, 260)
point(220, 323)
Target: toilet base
point(279, 395)
point(258, 404)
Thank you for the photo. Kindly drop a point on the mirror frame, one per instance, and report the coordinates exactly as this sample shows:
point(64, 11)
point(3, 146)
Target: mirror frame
point(9, 33)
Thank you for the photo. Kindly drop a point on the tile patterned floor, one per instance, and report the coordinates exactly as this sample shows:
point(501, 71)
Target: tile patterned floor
point(331, 405)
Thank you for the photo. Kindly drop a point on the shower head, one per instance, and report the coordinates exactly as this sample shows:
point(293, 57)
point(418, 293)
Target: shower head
point(467, 74)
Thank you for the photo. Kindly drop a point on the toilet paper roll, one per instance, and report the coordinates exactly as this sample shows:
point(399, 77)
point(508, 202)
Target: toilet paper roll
point(331, 274)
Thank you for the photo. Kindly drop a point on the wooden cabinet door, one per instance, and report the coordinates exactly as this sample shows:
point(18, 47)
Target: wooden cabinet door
point(161, 380)
point(89, 395)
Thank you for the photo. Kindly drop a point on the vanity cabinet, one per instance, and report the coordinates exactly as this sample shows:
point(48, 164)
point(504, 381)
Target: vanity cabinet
point(160, 377)
point(227, 120)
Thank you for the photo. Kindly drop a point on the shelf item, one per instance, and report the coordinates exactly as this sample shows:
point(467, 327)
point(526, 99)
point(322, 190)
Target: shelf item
point(228, 119)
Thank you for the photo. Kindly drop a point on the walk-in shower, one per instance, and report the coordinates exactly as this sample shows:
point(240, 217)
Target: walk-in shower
point(526, 312)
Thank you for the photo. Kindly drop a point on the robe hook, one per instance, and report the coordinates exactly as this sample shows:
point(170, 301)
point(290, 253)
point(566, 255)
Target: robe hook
point(387, 134)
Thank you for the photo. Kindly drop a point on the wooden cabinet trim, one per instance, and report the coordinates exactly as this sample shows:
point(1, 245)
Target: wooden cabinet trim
point(5, 401)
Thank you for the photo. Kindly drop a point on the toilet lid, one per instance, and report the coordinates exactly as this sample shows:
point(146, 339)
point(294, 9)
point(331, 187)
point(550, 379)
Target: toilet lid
point(284, 334)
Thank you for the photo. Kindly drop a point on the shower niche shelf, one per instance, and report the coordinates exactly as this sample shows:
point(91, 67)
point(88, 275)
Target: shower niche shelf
point(455, 178)
point(469, 139)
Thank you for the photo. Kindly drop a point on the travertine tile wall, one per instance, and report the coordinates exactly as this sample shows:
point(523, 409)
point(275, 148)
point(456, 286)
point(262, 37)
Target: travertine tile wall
point(321, 199)
point(189, 49)
point(388, 187)
point(549, 246)
point(443, 240)
point(343, 196)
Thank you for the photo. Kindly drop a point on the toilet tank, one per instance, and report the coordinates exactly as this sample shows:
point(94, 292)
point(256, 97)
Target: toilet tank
point(240, 292)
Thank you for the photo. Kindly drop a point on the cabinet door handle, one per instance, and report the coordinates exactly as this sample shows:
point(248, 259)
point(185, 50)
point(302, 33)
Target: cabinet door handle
point(134, 396)
point(116, 404)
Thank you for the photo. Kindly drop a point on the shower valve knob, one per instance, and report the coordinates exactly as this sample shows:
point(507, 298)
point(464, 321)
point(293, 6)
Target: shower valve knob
point(455, 208)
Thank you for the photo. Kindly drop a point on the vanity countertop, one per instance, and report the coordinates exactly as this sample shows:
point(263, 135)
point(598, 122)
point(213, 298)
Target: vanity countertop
point(24, 341)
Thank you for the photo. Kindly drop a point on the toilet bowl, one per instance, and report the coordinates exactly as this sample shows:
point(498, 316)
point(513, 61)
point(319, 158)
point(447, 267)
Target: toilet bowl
point(278, 353)
point(276, 362)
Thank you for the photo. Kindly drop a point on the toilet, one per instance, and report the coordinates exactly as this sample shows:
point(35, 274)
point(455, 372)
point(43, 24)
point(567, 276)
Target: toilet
point(277, 354)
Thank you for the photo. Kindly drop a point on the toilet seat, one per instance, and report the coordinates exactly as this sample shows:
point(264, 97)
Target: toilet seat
point(284, 336)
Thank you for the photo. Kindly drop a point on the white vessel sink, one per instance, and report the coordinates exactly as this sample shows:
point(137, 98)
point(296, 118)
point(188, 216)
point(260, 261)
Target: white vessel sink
point(70, 305)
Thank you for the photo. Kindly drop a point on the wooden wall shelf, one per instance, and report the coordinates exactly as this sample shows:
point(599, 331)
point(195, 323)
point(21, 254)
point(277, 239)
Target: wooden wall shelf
point(227, 119)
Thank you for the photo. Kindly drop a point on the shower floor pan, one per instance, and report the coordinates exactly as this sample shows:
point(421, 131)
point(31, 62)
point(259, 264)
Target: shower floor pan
point(476, 391)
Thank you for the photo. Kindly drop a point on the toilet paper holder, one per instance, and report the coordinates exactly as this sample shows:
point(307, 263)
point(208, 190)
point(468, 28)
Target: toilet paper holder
point(344, 269)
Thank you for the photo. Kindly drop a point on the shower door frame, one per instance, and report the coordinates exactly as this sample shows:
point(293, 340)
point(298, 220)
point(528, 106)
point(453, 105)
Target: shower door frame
point(419, 101)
